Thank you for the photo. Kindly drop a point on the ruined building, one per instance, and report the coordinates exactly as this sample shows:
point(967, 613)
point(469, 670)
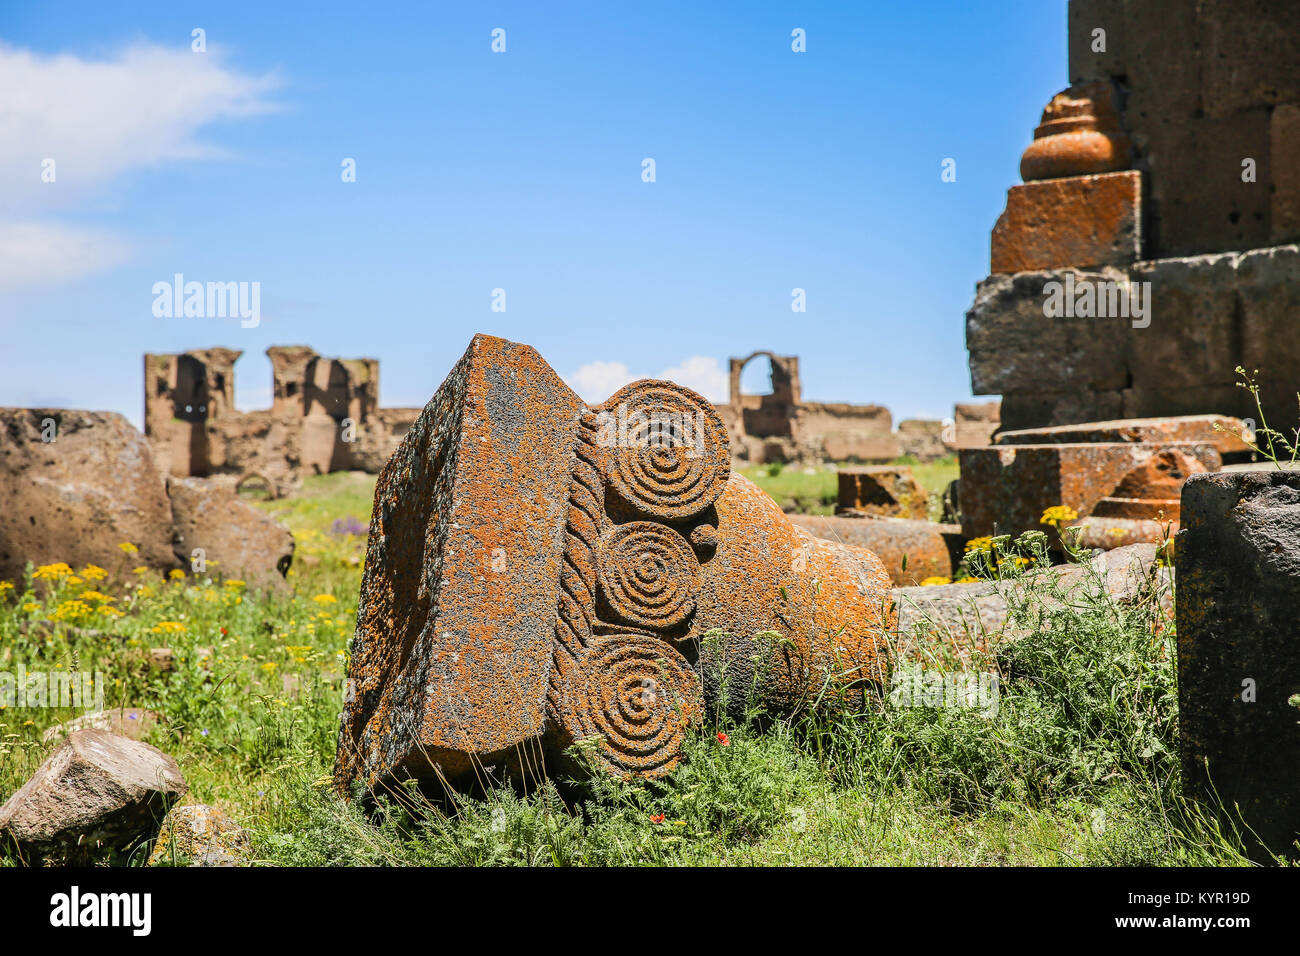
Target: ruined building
point(781, 426)
point(325, 416)
point(1171, 169)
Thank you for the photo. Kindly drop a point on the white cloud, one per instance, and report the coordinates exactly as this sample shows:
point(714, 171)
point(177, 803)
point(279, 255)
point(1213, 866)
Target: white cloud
point(32, 253)
point(99, 120)
point(596, 381)
point(703, 374)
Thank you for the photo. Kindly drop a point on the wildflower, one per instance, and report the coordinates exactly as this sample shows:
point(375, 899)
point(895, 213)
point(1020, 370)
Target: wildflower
point(656, 818)
point(140, 570)
point(176, 574)
point(982, 543)
point(5, 587)
point(52, 572)
point(128, 548)
point(234, 584)
point(1058, 515)
point(93, 572)
point(72, 611)
point(724, 739)
point(935, 579)
point(97, 596)
point(325, 599)
point(31, 607)
point(224, 632)
point(168, 627)
point(75, 580)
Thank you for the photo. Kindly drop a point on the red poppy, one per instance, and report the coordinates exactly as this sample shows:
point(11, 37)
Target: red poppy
point(224, 632)
point(656, 818)
point(724, 739)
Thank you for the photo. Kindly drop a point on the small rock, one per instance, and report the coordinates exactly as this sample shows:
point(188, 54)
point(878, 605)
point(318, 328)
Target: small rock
point(97, 794)
point(126, 722)
point(203, 836)
point(162, 659)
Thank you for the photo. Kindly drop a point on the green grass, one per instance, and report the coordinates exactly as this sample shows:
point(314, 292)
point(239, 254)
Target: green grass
point(1076, 767)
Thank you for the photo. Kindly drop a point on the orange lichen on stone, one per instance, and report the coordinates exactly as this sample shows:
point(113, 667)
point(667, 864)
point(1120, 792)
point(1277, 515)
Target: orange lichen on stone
point(1080, 222)
point(540, 573)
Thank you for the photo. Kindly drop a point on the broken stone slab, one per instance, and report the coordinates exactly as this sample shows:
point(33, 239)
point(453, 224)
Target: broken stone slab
point(200, 835)
point(971, 619)
point(911, 551)
point(540, 572)
point(1222, 431)
point(1006, 488)
point(97, 793)
point(76, 484)
point(1238, 559)
point(885, 490)
point(242, 541)
point(129, 722)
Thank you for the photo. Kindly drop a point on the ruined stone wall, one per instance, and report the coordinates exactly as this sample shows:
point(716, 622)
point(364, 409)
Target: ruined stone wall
point(325, 416)
point(1178, 179)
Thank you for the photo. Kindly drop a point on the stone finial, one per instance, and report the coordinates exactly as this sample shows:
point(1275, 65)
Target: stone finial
point(540, 572)
point(1079, 135)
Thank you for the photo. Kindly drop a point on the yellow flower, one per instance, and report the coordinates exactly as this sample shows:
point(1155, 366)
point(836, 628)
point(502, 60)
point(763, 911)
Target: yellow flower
point(234, 584)
point(140, 570)
point(168, 627)
point(128, 548)
point(983, 543)
point(93, 572)
point(325, 599)
point(52, 572)
point(1058, 515)
point(936, 579)
point(97, 596)
point(72, 611)
point(31, 607)
point(176, 574)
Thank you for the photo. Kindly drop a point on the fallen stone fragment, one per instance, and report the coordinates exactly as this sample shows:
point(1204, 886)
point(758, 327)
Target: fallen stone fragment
point(1238, 558)
point(242, 541)
point(77, 484)
point(961, 619)
point(162, 659)
point(884, 490)
point(540, 572)
point(200, 835)
point(99, 793)
point(126, 722)
point(911, 551)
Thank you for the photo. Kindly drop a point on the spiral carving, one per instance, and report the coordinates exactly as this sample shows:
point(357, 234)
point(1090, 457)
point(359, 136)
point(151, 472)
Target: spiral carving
point(649, 575)
point(667, 453)
point(638, 695)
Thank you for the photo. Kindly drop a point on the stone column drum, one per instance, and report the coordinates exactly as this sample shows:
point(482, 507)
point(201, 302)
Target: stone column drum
point(541, 572)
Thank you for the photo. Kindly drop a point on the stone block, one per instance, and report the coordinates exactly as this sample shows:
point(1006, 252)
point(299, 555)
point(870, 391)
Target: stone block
point(242, 542)
point(1238, 561)
point(884, 490)
point(1250, 50)
point(1079, 221)
point(1284, 168)
point(1222, 431)
point(1086, 63)
point(1005, 489)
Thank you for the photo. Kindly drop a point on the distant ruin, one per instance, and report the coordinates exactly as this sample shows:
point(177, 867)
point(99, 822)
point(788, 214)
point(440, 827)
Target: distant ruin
point(325, 416)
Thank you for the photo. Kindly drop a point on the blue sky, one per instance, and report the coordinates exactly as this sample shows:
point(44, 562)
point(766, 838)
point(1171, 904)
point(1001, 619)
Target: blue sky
point(521, 171)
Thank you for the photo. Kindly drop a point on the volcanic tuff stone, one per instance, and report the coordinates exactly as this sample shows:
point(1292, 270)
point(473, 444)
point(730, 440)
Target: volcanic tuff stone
point(1086, 221)
point(97, 793)
point(1238, 558)
point(540, 572)
point(76, 498)
point(1006, 488)
point(244, 542)
point(886, 490)
point(201, 836)
point(910, 550)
